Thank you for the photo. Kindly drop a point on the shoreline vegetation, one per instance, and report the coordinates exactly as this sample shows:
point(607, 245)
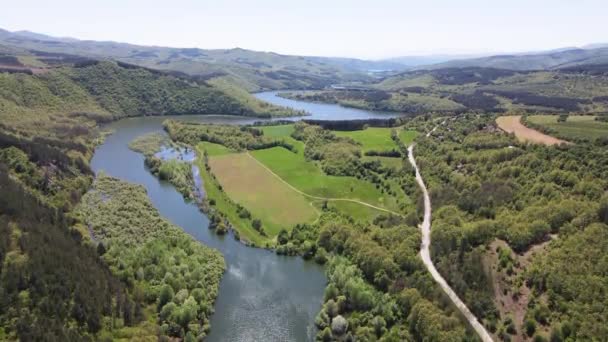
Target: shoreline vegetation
point(146, 250)
point(165, 160)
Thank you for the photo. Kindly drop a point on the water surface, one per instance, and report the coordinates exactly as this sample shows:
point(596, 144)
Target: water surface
point(324, 111)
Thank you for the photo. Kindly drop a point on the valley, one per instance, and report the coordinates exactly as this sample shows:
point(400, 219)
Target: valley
point(185, 194)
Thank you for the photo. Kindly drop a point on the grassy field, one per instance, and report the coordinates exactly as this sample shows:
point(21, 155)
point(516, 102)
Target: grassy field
point(267, 198)
point(215, 149)
point(284, 131)
point(378, 138)
point(579, 126)
point(407, 136)
point(308, 178)
point(372, 138)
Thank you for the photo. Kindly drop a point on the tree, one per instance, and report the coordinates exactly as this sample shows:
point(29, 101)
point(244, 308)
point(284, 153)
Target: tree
point(530, 327)
point(339, 325)
point(256, 224)
point(603, 210)
point(283, 237)
point(165, 296)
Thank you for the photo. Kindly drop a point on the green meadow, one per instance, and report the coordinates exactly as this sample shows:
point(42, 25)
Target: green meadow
point(575, 127)
point(308, 178)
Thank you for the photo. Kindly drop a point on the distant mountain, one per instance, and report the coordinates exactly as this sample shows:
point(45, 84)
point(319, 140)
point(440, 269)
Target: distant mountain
point(415, 61)
point(596, 46)
point(251, 70)
point(532, 61)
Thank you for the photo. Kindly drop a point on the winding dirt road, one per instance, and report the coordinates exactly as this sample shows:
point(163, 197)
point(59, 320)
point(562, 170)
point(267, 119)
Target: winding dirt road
point(425, 253)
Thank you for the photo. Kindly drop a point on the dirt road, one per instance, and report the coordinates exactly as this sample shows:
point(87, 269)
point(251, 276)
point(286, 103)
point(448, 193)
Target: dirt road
point(425, 253)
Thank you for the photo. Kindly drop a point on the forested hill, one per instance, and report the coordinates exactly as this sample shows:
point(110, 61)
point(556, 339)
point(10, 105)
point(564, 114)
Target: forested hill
point(532, 61)
point(250, 70)
point(61, 99)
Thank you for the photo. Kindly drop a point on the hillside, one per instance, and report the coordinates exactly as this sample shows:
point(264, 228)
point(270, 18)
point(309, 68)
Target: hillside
point(52, 96)
point(251, 70)
point(579, 89)
point(532, 61)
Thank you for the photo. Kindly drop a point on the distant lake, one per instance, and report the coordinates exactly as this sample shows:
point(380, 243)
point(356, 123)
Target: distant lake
point(323, 111)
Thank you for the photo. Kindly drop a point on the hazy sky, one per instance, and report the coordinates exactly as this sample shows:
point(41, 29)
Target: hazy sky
point(353, 28)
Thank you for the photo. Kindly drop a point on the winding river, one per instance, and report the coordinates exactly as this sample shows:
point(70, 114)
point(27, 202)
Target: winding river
point(263, 296)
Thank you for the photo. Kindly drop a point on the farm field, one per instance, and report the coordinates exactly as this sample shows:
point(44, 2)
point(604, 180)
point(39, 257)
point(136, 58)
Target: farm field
point(575, 127)
point(308, 178)
point(512, 124)
point(263, 194)
point(224, 204)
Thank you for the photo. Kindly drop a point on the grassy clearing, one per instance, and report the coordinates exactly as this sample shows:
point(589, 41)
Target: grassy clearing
point(407, 136)
point(284, 131)
point(357, 211)
point(372, 138)
point(278, 131)
point(225, 205)
point(378, 138)
point(263, 194)
point(579, 126)
point(390, 162)
point(215, 149)
point(308, 178)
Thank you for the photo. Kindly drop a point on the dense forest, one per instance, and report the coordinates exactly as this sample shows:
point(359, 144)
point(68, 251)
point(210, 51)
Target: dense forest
point(68, 101)
point(164, 267)
point(507, 218)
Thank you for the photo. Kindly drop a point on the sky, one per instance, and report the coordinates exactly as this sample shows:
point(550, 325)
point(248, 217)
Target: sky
point(348, 28)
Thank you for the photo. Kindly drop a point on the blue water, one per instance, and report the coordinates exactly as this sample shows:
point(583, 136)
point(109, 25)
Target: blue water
point(324, 111)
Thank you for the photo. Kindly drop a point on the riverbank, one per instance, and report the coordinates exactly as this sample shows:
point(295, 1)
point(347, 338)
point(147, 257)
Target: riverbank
point(258, 286)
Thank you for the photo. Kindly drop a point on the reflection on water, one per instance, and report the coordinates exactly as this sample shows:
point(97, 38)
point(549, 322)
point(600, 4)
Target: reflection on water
point(180, 153)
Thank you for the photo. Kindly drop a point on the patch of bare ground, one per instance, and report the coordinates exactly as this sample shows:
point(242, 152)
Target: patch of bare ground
point(511, 295)
point(512, 124)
